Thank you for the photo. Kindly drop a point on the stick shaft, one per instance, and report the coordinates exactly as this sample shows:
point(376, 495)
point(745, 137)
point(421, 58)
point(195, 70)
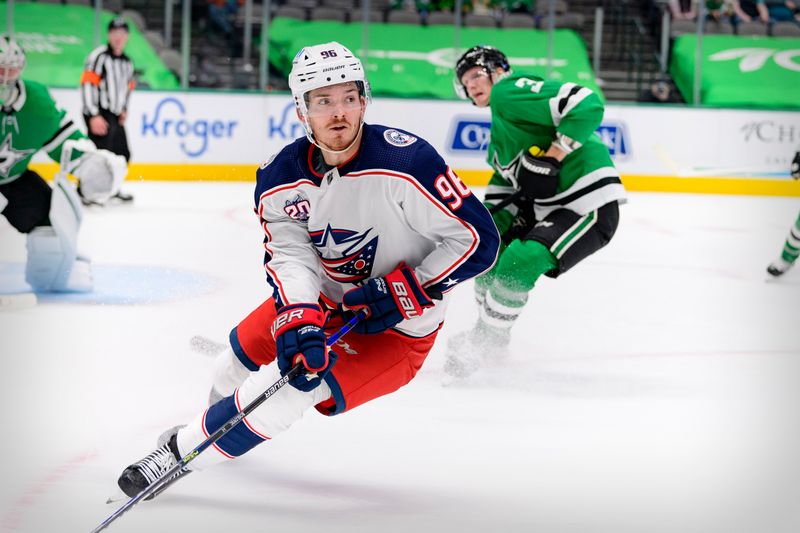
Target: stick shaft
point(219, 433)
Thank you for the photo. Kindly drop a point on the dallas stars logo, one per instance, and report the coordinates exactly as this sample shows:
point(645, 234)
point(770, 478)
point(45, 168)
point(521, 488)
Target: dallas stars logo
point(508, 171)
point(9, 157)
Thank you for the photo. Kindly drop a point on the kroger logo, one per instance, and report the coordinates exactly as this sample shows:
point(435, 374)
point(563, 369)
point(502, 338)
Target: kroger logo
point(470, 135)
point(616, 137)
point(169, 121)
point(285, 126)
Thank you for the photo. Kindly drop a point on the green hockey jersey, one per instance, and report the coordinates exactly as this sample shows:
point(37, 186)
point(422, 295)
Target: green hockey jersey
point(30, 122)
point(529, 113)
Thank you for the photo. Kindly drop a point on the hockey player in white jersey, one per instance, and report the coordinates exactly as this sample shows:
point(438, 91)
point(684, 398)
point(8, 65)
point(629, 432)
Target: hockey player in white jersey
point(356, 217)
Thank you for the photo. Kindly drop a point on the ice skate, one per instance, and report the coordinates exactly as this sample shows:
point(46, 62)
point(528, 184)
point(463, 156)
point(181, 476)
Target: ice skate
point(470, 350)
point(779, 267)
point(123, 197)
point(140, 475)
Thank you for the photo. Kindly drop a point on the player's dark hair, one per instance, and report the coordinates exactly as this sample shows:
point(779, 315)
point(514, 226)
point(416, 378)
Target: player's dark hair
point(359, 85)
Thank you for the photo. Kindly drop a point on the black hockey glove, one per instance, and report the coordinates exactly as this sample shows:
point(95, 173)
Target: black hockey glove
point(538, 176)
point(299, 338)
point(388, 300)
point(796, 166)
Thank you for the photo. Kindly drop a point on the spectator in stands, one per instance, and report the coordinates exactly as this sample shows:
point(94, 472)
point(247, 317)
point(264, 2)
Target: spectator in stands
point(484, 7)
point(749, 10)
point(412, 6)
point(661, 92)
point(782, 10)
point(221, 13)
point(683, 9)
point(450, 6)
point(515, 6)
point(718, 10)
point(106, 86)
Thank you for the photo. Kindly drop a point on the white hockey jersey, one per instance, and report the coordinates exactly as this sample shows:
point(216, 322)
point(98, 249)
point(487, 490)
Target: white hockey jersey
point(395, 201)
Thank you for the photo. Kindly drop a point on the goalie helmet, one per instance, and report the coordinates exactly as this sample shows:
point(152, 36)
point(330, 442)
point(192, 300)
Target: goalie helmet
point(12, 61)
point(487, 57)
point(320, 66)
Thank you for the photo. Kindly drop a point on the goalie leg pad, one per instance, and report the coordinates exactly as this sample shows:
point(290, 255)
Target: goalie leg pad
point(53, 265)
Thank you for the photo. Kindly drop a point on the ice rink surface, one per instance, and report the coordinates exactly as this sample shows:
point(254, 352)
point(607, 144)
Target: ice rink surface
point(653, 388)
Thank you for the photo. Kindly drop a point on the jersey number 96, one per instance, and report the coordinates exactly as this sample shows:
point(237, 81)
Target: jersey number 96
point(451, 189)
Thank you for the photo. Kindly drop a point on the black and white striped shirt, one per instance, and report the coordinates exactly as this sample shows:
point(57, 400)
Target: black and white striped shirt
point(107, 82)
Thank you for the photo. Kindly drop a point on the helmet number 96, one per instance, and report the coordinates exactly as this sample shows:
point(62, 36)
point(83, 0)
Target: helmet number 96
point(327, 54)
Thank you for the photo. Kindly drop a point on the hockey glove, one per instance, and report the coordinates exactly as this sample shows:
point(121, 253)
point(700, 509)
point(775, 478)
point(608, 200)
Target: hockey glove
point(299, 338)
point(388, 300)
point(538, 176)
point(796, 166)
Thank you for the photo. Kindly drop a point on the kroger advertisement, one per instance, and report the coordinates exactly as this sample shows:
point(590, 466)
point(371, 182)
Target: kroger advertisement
point(174, 128)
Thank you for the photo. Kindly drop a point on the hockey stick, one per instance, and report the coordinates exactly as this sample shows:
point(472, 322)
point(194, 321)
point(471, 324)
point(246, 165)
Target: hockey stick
point(165, 479)
point(510, 199)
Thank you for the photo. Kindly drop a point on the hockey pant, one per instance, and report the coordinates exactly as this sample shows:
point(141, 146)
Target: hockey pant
point(29, 199)
point(551, 247)
point(116, 140)
point(369, 366)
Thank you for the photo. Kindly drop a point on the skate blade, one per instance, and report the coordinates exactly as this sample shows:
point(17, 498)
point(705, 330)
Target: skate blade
point(117, 497)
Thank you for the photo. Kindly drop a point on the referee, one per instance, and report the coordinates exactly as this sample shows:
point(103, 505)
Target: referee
point(106, 87)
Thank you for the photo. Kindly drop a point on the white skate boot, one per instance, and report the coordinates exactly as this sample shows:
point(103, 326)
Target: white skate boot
point(779, 267)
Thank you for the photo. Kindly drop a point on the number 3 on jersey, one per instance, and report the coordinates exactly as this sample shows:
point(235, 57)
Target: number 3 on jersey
point(535, 86)
point(451, 189)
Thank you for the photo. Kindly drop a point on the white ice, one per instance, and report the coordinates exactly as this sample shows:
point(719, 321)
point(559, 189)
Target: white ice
point(653, 388)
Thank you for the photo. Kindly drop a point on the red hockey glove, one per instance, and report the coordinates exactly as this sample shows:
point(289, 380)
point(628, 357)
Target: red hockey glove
point(388, 300)
point(299, 338)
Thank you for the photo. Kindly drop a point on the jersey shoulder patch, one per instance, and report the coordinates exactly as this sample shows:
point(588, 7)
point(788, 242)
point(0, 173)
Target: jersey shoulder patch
point(266, 163)
point(398, 138)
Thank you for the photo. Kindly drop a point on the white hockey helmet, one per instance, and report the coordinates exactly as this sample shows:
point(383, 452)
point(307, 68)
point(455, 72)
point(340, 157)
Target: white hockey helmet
point(322, 65)
point(12, 61)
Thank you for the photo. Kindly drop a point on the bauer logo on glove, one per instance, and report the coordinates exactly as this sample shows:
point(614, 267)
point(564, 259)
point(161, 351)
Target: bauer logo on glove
point(387, 301)
point(537, 175)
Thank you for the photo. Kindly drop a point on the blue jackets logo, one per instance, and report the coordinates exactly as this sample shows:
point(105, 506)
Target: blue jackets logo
point(169, 121)
point(616, 137)
point(470, 135)
point(286, 126)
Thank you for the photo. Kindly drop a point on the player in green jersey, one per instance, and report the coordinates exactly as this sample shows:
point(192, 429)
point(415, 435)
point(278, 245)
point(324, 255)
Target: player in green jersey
point(49, 216)
point(791, 246)
point(554, 193)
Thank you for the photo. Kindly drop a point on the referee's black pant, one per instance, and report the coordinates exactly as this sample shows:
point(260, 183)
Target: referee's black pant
point(115, 141)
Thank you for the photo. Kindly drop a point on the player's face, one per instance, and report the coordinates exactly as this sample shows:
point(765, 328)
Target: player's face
point(478, 85)
point(335, 114)
point(9, 74)
point(118, 38)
